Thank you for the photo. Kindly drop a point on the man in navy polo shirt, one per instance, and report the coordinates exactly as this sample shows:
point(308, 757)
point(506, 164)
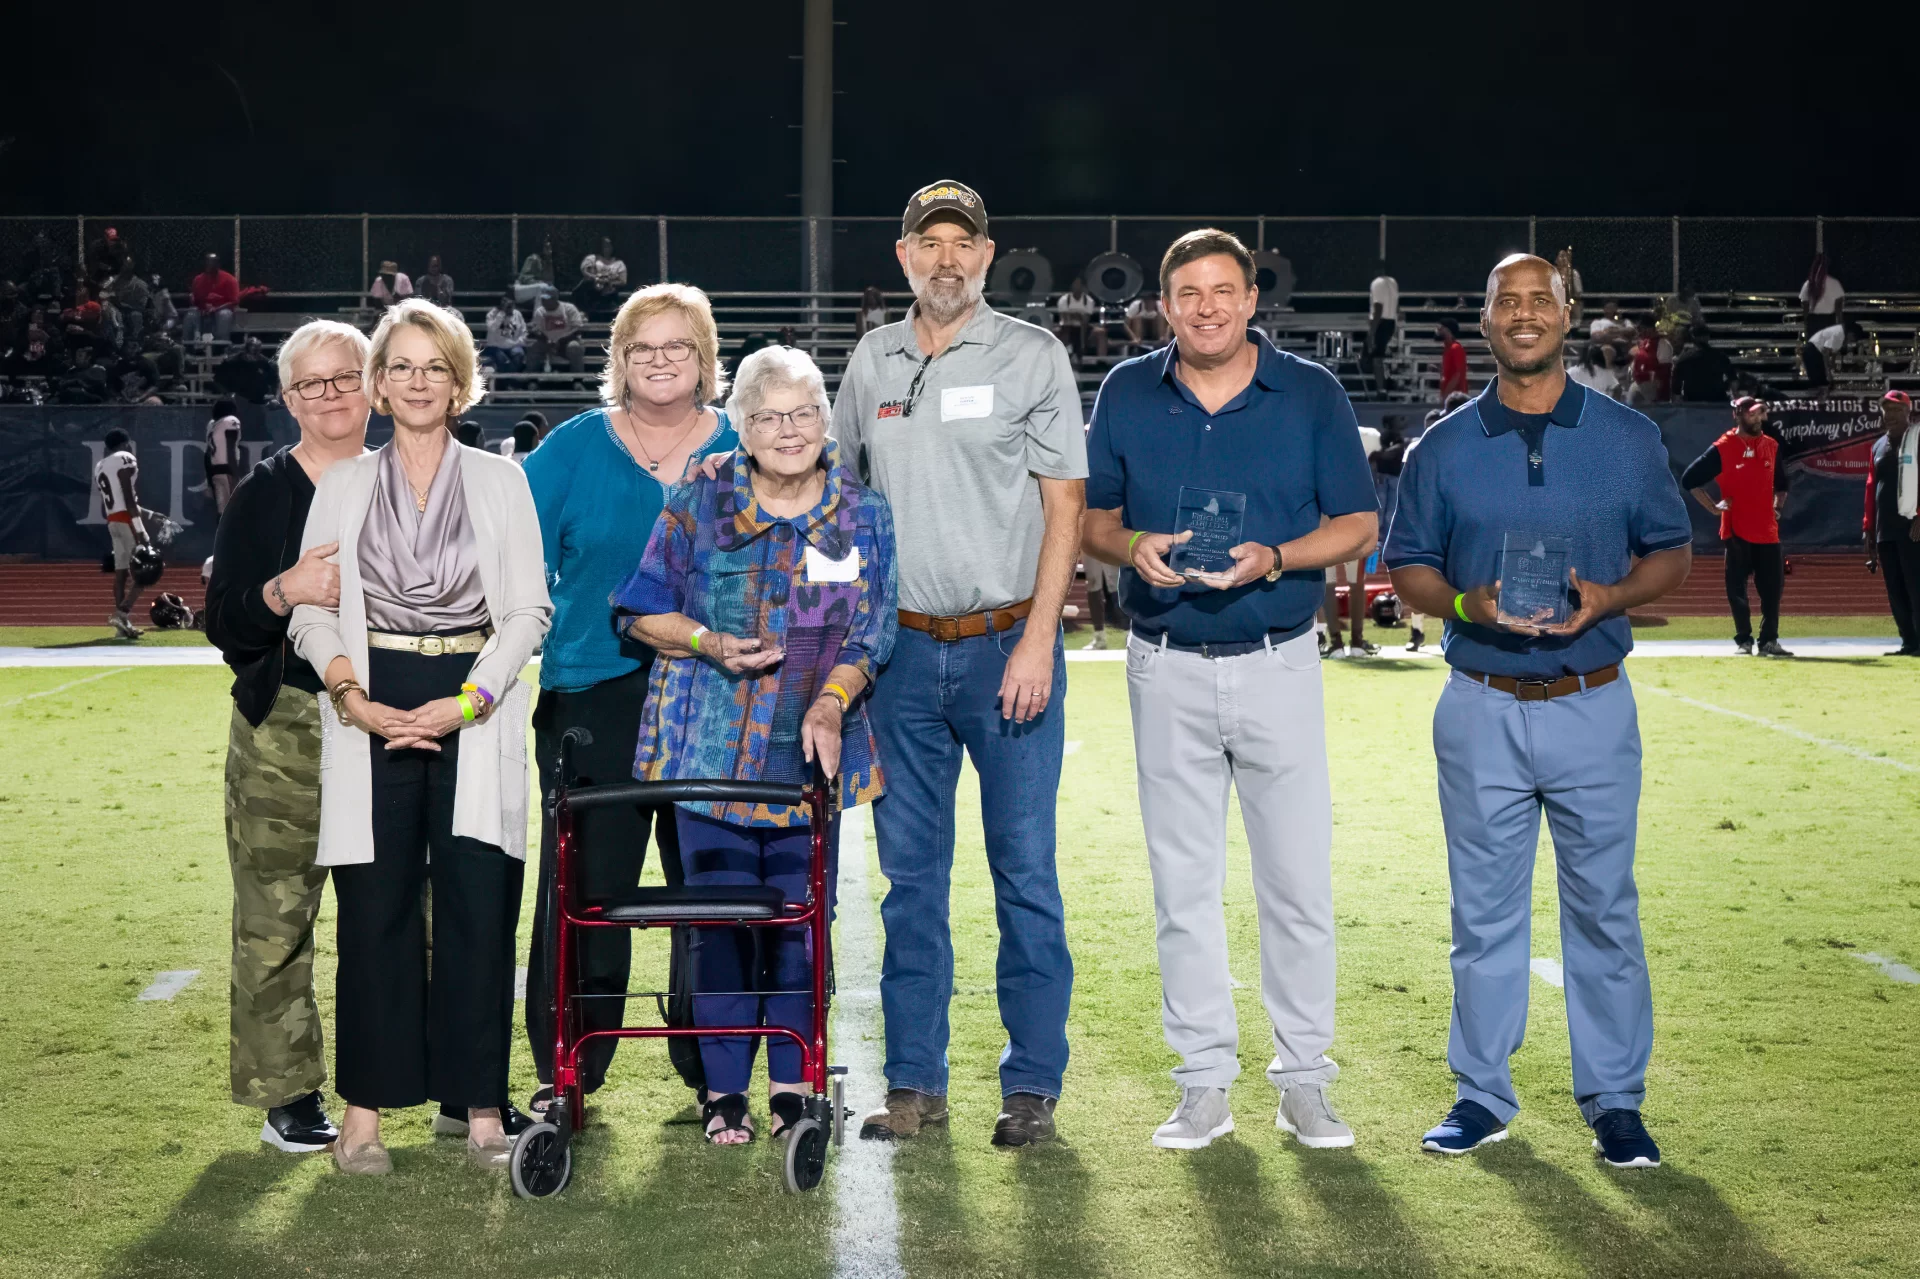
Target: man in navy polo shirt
point(1223, 673)
point(1537, 717)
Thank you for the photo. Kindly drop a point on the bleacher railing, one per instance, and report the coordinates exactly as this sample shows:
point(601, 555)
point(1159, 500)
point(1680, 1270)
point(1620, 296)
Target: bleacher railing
point(327, 255)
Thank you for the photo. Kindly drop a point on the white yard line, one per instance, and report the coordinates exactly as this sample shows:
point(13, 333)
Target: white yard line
point(520, 982)
point(1842, 747)
point(1891, 967)
point(1548, 971)
point(122, 655)
point(73, 683)
point(866, 1221)
point(168, 984)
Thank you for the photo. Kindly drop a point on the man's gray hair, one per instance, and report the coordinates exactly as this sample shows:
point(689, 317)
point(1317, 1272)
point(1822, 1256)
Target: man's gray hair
point(771, 367)
point(319, 333)
point(1513, 259)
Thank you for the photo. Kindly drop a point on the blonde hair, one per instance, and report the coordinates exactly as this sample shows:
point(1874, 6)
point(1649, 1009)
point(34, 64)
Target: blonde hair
point(657, 299)
point(451, 338)
point(313, 335)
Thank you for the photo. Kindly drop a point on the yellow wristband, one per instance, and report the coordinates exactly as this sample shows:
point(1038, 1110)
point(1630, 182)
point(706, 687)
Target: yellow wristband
point(840, 693)
point(467, 712)
point(1458, 601)
point(1134, 540)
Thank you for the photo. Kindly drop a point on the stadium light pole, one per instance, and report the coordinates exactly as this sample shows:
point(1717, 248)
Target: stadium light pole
point(816, 154)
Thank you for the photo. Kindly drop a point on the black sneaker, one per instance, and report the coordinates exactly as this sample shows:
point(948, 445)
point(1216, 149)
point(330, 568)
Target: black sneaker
point(1745, 646)
point(451, 1121)
point(1622, 1140)
point(299, 1127)
point(1772, 649)
point(1360, 648)
point(1415, 640)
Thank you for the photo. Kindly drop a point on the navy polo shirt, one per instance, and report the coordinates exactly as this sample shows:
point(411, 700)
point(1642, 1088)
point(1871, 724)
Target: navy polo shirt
point(1593, 471)
point(1289, 442)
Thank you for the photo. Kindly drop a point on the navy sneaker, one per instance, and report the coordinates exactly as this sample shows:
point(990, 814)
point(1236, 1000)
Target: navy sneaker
point(1622, 1140)
point(1467, 1126)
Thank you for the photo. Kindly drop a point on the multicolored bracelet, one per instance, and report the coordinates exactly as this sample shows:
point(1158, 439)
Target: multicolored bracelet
point(481, 693)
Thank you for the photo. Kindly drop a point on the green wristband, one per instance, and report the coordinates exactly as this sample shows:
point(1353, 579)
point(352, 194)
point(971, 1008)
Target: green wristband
point(1458, 601)
point(693, 641)
point(1133, 541)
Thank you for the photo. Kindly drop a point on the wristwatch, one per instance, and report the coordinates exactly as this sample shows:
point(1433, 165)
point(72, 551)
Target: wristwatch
point(1273, 574)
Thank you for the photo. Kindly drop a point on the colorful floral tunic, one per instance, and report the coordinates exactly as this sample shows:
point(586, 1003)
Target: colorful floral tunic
point(716, 557)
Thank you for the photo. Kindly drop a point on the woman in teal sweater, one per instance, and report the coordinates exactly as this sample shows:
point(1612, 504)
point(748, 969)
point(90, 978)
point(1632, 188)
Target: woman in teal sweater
point(599, 482)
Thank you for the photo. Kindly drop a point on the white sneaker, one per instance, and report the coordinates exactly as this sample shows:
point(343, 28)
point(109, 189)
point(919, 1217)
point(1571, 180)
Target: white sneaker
point(1308, 1115)
point(1201, 1116)
point(1098, 641)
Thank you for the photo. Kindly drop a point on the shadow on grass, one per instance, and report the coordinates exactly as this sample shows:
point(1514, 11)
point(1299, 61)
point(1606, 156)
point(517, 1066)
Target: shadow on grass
point(1696, 1233)
point(1057, 1239)
point(937, 1234)
point(1250, 1233)
point(1375, 1237)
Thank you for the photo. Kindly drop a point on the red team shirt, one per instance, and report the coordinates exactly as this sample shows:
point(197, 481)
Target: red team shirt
point(1746, 482)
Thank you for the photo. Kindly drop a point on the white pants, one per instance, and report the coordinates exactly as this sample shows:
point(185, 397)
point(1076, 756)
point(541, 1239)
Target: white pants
point(1255, 723)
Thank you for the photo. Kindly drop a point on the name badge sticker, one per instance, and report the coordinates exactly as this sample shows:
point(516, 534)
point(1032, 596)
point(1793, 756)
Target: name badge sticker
point(822, 569)
point(960, 402)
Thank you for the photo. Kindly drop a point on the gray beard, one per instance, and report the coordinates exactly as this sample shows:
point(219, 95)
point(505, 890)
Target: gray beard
point(943, 307)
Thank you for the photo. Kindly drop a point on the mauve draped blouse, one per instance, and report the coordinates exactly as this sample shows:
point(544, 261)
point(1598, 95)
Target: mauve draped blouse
point(420, 570)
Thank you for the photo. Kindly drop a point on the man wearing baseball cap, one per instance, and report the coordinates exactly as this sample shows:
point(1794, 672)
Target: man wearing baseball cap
point(1892, 532)
point(969, 423)
point(1753, 484)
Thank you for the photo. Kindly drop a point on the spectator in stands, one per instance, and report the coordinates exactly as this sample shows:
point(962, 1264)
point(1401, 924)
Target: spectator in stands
point(39, 355)
point(1753, 484)
point(1453, 361)
point(106, 256)
point(249, 373)
point(390, 284)
point(130, 297)
point(554, 335)
point(1593, 373)
point(1652, 363)
point(1821, 296)
point(80, 323)
point(872, 313)
point(41, 278)
point(167, 357)
point(506, 348)
point(133, 377)
point(1703, 372)
point(111, 333)
point(86, 381)
point(1817, 352)
point(216, 294)
point(468, 434)
point(1892, 532)
point(13, 317)
point(536, 273)
point(162, 315)
point(1146, 327)
point(603, 279)
point(519, 446)
point(1570, 278)
point(1383, 320)
point(1074, 314)
point(436, 286)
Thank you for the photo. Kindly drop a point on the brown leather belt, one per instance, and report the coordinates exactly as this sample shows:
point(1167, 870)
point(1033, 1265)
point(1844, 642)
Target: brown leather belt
point(1540, 690)
point(949, 629)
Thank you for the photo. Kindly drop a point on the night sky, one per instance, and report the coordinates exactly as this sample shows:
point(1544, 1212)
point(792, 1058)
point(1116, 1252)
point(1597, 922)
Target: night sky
point(1182, 107)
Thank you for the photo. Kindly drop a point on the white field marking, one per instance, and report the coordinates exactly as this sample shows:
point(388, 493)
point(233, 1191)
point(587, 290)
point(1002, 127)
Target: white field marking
point(1814, 647)
point(168, 984)
point(1842, 747)
point(1891, 967)
point(520, 982)
point(1547, 970)
point(1070, 748)
point(113, 655)
point(866, 1220)
point(76, 683)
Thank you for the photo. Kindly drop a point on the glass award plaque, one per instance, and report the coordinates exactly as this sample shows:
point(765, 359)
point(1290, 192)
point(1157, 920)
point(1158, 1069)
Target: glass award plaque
point(1216, 520)
point(1533, 580)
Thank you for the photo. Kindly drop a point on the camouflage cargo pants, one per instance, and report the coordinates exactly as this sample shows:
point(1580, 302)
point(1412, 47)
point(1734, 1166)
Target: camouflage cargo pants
point(273, 830)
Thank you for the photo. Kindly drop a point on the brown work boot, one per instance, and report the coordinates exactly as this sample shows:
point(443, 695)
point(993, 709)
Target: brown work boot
point(905, 1114)
point(1026, 1119)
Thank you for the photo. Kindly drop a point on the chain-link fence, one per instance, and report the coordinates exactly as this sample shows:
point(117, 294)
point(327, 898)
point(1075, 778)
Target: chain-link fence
point(336, 254)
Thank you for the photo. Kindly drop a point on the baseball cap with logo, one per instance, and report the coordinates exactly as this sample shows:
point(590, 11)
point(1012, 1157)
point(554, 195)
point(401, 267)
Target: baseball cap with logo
point(944, 197)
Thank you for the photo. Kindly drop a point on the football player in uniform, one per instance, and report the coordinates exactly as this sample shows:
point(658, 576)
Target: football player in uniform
point(117, 475)
point(223, 453)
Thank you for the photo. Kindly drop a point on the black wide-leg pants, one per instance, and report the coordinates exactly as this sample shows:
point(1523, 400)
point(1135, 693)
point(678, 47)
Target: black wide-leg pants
point(403, 1034)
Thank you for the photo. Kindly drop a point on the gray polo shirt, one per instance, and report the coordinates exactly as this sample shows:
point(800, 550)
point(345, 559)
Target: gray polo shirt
point(959, 457)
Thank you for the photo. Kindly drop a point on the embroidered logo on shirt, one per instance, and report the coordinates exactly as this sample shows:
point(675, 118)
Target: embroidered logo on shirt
point(892, 408)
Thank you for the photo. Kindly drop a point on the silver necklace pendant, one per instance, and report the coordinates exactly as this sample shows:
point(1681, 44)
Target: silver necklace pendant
point(653, 466)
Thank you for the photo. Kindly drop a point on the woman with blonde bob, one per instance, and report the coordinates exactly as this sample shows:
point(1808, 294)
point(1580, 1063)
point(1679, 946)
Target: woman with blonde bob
point(599, 481)
point(441, 601)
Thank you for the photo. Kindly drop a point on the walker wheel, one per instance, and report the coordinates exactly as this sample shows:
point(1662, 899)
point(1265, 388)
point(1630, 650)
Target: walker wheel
point(542, 1163)
point(806, 1154)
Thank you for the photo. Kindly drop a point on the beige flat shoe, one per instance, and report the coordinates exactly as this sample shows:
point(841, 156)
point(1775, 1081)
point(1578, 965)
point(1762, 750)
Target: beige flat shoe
point(491, 1154)
point(370, 1159)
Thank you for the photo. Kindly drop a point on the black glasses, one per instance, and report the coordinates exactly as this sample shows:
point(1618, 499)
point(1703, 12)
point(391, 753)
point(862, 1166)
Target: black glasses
point(401, 371)
point(315, 387)
point(678, 351)
point(804, 418)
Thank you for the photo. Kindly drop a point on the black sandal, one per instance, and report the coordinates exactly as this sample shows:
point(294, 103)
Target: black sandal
point(787, 1109)
point(732, 1110)
point(541, 1099)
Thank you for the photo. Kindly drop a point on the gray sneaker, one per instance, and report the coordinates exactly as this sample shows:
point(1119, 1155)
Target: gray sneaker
point(1201, 1116)
point(1308, 1115)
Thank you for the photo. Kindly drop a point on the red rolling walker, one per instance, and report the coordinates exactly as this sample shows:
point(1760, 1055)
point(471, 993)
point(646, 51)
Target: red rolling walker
point(542, 1160)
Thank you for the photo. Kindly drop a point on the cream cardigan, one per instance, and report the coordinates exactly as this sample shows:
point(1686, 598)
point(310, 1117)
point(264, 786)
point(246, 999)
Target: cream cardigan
point(490, 787)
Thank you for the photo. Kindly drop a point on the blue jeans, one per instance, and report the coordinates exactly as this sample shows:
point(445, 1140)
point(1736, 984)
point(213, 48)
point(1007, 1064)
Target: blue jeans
point(192, 323)
point(932, 702)
point(716, 852)
point(1501, 761)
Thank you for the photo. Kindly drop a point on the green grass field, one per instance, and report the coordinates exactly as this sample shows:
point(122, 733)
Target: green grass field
point(1782, 1085)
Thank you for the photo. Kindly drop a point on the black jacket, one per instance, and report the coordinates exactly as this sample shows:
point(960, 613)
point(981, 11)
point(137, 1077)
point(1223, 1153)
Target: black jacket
point(259, 537)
